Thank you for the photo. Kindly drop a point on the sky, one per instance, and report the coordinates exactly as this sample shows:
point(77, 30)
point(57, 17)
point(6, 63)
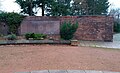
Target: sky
point(10, 5)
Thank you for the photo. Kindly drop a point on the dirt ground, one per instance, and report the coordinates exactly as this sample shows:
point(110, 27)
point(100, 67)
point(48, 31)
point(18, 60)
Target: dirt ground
point(41, 57)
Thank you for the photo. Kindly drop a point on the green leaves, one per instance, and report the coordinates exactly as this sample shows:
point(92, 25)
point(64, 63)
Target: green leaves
point(64, 7)
point(90, 7)
point(11, 37)
point(67, 30)
point(13, 20)
point(35, 36)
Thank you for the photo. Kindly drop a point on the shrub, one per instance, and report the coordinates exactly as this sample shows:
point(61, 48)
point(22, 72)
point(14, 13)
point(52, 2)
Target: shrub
point(12, 19)
point(35, 36)
point(12, 37)
point(116, 27)
point(40, 36)
point(67, 30)
point(27, 36)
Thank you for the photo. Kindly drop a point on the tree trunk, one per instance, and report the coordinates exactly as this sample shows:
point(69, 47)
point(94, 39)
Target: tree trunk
point(31, 8)
point(42, 9)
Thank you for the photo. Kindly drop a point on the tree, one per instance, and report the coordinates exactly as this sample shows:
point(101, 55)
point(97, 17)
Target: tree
point(64, 7)
point(99, 7)
point(26, 6)
point(79, 7)
point(30, 6)
point(91, 7)
point(116, 14)
point(43, 4)
point(13, 21)
point(58, 8)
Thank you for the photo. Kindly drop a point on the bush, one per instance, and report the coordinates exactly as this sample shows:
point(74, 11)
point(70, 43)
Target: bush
point(35, 36)
point(116, 27)
point(12, 37)
point(12, 19)
point(40, 36)
point(27, 36)
point(67, 30)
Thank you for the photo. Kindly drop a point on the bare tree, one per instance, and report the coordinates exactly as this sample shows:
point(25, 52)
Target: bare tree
point(116, 14)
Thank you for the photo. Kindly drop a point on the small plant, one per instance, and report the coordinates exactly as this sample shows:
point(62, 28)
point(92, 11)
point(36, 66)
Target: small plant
point(27, 36)
point(12, 37)
point(40, 36)
point(67, 30)
point(35, 36)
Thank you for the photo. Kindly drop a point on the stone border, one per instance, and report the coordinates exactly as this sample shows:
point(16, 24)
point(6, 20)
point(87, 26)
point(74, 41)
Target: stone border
point(21, 42)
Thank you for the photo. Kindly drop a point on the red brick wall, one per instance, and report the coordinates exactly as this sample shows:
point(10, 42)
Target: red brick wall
point(99, 28)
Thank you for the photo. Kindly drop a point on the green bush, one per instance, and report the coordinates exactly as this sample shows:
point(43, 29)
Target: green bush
point(27, 36)
point(12, 37)
point(116, 27)
point(67, 30)
point(12, 19)
point(35, 36)
point(40, 36)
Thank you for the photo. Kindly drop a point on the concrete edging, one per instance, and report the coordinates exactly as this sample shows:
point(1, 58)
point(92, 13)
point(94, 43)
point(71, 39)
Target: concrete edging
point(20, 42)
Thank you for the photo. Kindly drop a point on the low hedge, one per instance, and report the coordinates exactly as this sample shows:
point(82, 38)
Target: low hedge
point(35, 36)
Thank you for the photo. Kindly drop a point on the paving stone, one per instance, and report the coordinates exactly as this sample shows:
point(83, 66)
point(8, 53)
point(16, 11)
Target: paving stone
point(91, 71)
point(110, 72)
point(76, 71)
point(41, 71)
point(57, 71)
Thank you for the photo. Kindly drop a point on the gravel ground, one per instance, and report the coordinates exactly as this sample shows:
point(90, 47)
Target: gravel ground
point(41, 57)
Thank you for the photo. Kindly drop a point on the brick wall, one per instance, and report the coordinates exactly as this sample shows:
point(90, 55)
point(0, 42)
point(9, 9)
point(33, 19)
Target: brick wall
point(98, 28)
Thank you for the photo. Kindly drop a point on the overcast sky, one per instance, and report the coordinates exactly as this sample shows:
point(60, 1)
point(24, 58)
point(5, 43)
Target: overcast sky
point(10, 5)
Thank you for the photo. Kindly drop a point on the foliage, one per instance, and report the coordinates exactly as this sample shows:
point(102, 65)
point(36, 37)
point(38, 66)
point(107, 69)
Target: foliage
point(28, 35)
point(64, 7)
point(51, 7)
point(40, 36)
point(58, 8)
point(13, 20)
point(116, 27)
point(31, 7)
point(90, 7)
point(67, 30)
point(26, 6)
point(12, 37)
point(35, 36)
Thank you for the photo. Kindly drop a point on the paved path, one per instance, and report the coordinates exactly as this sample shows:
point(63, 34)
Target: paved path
point(115, 44)
point(68, 71)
